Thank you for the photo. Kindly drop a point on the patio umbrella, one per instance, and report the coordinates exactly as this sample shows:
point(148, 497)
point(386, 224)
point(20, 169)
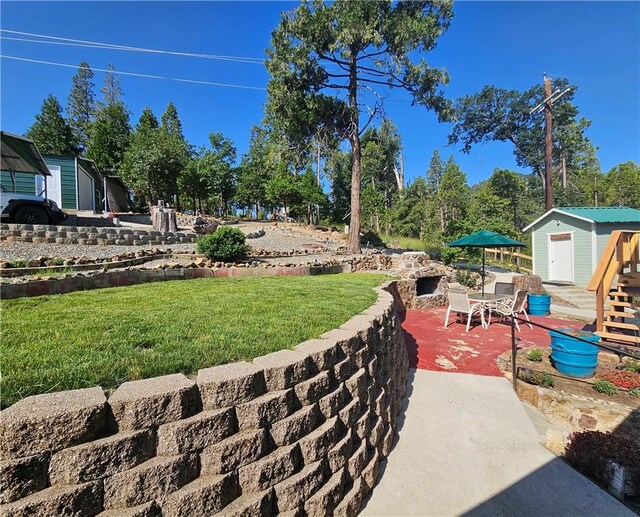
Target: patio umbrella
point(484, 239)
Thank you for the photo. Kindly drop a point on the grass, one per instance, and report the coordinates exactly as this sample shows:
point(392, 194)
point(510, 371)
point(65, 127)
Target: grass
point(107, 336)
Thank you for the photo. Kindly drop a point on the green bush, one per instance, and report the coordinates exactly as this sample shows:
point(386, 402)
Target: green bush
point(466, 278)
point(606, 387)
point(450, 255)
point(534, 355)
point(635, 392)
point(632, 366)
point(226, 244)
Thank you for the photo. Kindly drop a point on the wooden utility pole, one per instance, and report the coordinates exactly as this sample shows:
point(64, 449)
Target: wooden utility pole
point(548, 144)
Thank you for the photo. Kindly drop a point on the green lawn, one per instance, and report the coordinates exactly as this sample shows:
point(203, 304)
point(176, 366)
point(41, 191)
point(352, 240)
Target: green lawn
point(107, 336)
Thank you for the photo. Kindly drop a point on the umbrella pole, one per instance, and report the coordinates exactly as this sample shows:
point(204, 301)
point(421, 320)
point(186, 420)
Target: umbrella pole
point(483, 271)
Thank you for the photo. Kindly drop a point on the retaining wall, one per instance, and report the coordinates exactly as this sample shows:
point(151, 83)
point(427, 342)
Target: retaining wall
point(90, 235)
point(41, 287)
point(296, 432)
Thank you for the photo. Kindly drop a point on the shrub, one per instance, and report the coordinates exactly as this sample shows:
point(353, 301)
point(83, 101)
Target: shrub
point(534, 355)
point(450, 255)
point(635, 392)
point(632, 366)
point(606, 387)
point(19, 263)
point(625, 379)
point(590, 452)
point(465, 277)
point(226, 244)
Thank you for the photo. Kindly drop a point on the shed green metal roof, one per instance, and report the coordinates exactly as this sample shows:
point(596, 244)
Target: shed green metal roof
point(604, 214)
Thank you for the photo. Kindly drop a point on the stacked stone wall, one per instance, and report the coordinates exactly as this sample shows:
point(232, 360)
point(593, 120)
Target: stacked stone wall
point(99, 280)
point(297, 432)
point(90, 235)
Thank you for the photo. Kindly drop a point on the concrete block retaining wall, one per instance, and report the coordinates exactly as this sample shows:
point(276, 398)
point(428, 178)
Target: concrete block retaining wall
point(296, 432)
point(90, 235)
point(140, 276)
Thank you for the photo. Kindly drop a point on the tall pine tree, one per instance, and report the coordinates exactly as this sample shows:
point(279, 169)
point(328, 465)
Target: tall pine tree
point(81, 105)
point(51, 132)
point(111, 130)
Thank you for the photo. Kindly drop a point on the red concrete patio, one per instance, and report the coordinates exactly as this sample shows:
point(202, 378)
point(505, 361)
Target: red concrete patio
point(433, 347)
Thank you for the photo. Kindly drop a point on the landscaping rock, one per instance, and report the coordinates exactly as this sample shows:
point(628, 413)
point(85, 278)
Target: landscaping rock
point(72, 501)
point(21, 477)
point(151, 402)
point(52, 422)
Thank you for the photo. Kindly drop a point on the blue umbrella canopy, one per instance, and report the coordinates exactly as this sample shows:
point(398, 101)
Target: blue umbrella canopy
point(485, 239)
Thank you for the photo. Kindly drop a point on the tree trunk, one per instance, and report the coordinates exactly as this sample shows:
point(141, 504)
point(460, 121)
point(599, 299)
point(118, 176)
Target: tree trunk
point(353, 244)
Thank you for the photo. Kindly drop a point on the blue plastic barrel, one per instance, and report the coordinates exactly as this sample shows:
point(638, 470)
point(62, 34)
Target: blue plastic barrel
point(539, 304)
point(572, 357)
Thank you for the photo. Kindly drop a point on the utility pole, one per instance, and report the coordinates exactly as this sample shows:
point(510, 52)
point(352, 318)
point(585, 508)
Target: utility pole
point(548, 145)
point(547, 105)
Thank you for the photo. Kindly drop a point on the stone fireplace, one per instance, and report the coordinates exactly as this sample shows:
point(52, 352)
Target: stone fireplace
point(424, 283)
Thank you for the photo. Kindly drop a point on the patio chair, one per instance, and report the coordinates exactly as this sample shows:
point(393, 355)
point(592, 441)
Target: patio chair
point(504, 288)
point(513, 308)
point(459, 302)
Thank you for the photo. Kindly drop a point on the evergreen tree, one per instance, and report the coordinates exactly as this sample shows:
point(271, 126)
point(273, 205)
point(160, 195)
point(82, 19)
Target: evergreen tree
point(623, 185)
point(454, 199)
point(179, 156)
point(435, 172)
point(81, 105)
point(51, 132)
point(110, 133)
point(111, 89)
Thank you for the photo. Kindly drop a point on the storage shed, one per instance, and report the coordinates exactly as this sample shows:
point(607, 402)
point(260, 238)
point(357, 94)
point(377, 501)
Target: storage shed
point(74, 183)
point(567, 242)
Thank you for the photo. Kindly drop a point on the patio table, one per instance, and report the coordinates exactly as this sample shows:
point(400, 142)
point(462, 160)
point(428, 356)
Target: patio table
point(488, 300)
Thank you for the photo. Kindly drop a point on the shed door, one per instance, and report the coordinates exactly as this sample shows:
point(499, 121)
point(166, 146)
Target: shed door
point(54, 185)
point(561, 257)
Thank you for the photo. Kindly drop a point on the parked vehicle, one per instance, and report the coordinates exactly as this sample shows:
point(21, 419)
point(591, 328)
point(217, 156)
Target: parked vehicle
point(29, 209)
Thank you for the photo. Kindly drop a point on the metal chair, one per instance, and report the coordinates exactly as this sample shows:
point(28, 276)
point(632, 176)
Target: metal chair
point(516, 306)
point(504, 288)
point(459, 302)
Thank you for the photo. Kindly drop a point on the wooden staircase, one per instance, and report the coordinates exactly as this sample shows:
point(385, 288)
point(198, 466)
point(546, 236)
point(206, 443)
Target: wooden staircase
point(616, 282)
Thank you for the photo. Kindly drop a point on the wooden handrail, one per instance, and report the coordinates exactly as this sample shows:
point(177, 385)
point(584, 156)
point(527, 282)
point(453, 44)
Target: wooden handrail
point(621, 251)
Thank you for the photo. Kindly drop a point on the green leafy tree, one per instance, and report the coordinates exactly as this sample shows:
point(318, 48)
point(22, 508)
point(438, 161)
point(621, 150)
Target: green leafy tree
point(497, 114)
point(623, 185)
point(311, 193)
point(143, 158)
point(51, 132)
point(217, 166)
point(256, 168)
point(81, 105)
point(178, 152)
point(435, 172)
point(283, 190)
point(111, 131)
point(453, 199)
point(323, 55)
point(193, 184)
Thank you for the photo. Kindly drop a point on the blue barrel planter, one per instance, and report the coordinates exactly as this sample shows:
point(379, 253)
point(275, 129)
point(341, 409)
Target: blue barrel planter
point(539, 304)
point(572, 357)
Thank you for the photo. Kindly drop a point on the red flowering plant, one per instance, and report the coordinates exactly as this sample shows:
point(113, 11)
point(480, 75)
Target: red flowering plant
point(622, 378)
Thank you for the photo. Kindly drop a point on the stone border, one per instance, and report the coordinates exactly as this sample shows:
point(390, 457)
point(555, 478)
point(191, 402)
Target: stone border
point(295, 432)
point(90, 235)
point(80, 282)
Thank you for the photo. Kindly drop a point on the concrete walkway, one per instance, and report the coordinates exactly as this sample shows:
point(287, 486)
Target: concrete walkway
point(467, 447)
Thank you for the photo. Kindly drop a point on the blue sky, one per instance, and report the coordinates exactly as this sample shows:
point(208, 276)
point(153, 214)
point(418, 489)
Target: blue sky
point(596, 45)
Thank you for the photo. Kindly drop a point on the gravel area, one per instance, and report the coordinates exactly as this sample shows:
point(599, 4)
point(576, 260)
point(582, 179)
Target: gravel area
point(277, 238)
point(28, 250)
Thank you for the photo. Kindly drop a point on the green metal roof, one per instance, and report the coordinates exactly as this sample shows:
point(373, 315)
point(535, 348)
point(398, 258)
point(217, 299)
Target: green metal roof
point(604, 214)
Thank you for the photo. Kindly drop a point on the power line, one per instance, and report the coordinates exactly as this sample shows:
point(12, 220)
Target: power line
point(147, 76)
point(110, 46)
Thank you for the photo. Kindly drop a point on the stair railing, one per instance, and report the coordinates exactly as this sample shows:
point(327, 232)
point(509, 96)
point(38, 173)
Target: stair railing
point(620, 252)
